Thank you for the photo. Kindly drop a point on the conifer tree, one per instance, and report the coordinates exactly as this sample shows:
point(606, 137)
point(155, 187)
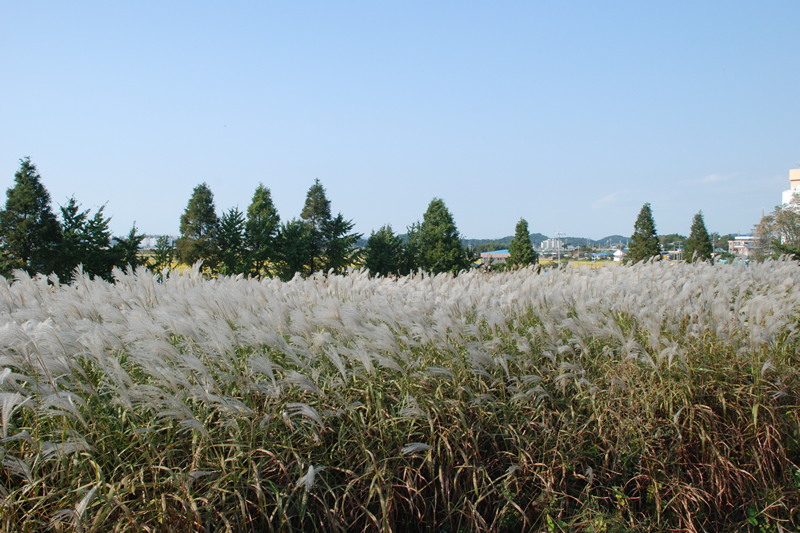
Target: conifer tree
point(521, 252)
point(230, 242)
point(163, 254)
point(199, 224)
point(86, 241)
point(294, 249)
point(644, 242)
point(383, 254)
point(261, 231)
point(340, 245)
point(437, 241)
point(698, 245)
point(317, 214)
point(30, 234)
point(127, 249)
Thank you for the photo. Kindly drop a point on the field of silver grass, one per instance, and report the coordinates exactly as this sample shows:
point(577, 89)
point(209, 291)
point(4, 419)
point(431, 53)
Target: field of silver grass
point(656, 397)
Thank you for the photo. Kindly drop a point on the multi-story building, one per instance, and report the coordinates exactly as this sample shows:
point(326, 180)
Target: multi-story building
point(794, 187)
point(743, 245)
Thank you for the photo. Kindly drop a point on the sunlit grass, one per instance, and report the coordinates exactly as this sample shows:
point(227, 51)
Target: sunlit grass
point(655, 397)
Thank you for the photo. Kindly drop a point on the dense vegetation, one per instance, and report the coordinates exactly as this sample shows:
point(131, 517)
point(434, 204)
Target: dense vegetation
point(656, 397)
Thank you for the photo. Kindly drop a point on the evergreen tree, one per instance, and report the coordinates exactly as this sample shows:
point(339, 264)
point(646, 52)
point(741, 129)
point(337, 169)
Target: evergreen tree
point(86, 241)
point(383, 254)
point(317, 214)
point(126, 250)
point(230, 241)
point(199, 228)
point(699, 242)
point(261, 230)
point(644, 241)
point(340, 245)
point(521, 252)
point(163, 254)
point(294, 252)
point(30, 234)
point(437, 241)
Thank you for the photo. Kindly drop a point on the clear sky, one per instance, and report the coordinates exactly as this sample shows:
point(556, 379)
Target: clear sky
point(569, 114)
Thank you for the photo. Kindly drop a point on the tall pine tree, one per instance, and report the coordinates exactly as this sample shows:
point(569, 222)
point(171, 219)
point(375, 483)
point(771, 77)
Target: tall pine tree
point(317, 214)
point(30, 233)
point(261, 231)
point(199, 225)
point(698, 245)
point(644, 242)
point(521, 252)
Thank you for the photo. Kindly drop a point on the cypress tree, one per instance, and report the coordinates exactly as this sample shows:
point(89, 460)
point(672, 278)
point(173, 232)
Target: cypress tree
point(30, 234)
point(699, 242)
point(199, 224)
point(521, 252)
point(644, 241)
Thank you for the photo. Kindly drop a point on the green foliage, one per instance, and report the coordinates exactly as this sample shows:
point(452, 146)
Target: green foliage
point(521, 250)
point(126, 251)
point(261, 231)
point(231, 242)
point(30, 234)
point(86, 240)
point(317, 214)
point(384, 252)
point(199, 225)
point(671, 240)
point(782, 226)
point(327, 243)
point(163, 254)
point(295, 249)
point(436, 241)
point(644, 242)
point(698, 245)
point(340, 250)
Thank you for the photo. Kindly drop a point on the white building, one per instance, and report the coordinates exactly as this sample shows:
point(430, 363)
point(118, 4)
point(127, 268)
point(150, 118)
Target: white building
point(551, 244)
point(151, 241)
point(794, 180)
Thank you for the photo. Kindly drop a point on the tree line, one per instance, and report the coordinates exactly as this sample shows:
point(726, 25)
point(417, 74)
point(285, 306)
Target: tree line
point(254, 242)
point(645, 244)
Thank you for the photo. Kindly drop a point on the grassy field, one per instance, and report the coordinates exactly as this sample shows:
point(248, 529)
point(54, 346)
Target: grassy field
point(656, 397)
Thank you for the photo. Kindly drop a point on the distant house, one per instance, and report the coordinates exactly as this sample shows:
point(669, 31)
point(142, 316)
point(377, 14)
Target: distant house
point(743, 245)
point(619, 255)
point(497, 256)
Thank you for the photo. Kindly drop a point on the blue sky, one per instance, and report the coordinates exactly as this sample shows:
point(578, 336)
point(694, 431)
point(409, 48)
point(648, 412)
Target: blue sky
point(569, 114)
